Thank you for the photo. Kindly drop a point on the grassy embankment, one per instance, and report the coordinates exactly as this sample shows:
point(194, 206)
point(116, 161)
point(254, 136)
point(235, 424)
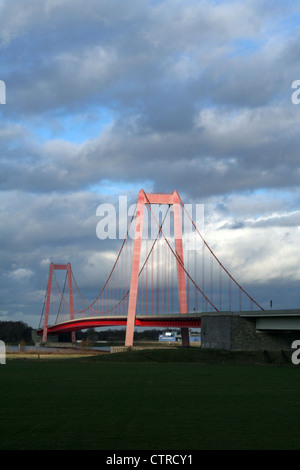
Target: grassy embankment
point(151, 400)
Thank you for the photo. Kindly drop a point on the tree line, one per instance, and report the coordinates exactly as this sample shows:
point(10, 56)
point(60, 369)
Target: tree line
point(112, 335)
point(16, 332)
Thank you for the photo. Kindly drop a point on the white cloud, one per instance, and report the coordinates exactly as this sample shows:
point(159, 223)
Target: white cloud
point(21, 274)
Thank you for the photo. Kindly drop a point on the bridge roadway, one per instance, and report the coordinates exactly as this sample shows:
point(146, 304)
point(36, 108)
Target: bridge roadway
point(188, 320)
point(265, 320)
point(284, 319)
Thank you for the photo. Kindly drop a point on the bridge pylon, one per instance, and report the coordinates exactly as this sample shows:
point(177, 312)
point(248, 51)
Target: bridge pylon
point(143, 199)
point(67, 268)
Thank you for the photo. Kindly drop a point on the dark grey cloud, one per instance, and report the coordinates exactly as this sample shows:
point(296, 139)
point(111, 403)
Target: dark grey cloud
point(187, 95)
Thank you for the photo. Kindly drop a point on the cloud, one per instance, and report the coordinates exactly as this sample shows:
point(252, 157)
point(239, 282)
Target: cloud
point(20, 274)
point(106, 97)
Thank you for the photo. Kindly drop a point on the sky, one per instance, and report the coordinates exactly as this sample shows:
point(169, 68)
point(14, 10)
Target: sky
point(107, 97)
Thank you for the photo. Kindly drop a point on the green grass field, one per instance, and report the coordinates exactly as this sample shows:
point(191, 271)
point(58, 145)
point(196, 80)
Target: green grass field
point(147, 403)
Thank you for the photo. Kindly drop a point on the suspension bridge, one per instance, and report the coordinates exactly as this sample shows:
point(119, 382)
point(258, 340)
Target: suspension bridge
point(162, 276)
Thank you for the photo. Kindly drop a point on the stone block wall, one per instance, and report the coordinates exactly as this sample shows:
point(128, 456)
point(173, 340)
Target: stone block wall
point(231, 332)
point(216, 332)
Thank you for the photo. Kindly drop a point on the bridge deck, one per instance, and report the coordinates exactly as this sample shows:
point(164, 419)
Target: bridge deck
point(180, 320)
point(189, 320)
